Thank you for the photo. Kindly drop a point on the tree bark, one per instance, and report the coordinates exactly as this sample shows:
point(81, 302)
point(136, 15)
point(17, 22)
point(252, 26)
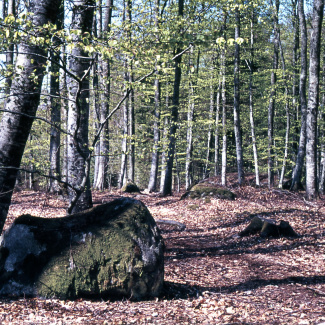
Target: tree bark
point(190, 120)
point(224, 120)
point(313, 101)
point(272, 95)
point(167, 189)
point(237, 126)
point(251, 105)
point(22, 104)
point(297, 172)
point(101, 182)
point(78, 114)
point(152, 186)
point(55, 136)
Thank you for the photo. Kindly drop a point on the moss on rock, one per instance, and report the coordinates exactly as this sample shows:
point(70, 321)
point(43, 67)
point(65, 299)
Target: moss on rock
point(111, 250)
point(130, 187)
point(202, 190)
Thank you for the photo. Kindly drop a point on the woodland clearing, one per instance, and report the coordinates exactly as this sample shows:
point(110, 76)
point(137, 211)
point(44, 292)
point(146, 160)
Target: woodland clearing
point(212, 276)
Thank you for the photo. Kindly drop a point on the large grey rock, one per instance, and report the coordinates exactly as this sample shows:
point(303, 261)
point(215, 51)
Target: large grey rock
point(113, 249)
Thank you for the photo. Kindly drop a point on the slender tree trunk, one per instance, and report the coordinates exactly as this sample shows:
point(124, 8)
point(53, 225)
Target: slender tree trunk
point(250, 65)
point(286, 143)
point(103, 160)
point(78, 114)
point(211, 111)
point(322, 137)
point(55, 136)
point(164, 142)
point(216, 132)
point(224, 121)
point(272, 96)
point(131, 169)
point(156, 138)
point(237, 126)
point(297, 172)
point(167, 190)
point(22, 104)
point(123, 172)
point(190, 120)
point(313, 101)
point(295, 83)
point(156, 132)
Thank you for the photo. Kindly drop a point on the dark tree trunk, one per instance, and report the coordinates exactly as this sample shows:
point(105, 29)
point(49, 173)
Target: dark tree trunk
point(167, 190)
point(22, 104)
point(313, 101)
point(78, 115)
point(297, 172)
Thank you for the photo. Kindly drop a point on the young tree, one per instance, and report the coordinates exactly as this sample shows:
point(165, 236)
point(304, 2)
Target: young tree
point(152, 186)
point(237, 126)
point(22, 103)
point(78, 114)
point(101, 181)
point(313, 100)
point(54, 153)
point(273, 93)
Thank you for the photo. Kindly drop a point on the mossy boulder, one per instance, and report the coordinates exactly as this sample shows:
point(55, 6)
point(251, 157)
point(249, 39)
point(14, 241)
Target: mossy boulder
point(209, 190)
point(130, 187)
point(111, 250)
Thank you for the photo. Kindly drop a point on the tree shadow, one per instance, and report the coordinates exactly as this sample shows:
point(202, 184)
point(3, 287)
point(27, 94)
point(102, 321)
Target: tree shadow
point(174, 290)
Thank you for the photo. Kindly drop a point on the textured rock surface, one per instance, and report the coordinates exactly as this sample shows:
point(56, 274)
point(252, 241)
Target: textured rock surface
point(114, 249)
point(209, 190)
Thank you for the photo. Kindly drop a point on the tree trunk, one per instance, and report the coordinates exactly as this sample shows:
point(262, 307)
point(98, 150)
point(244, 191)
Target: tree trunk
point(313, 101)
point(78, 114)
point(167, 190)
point(209, 138)
point(297, 172)
point(216, 132)
point(322, 138)
point(272, 96)
point(55, 135)
point(237, 126)
point(123, 170)
point(22, 104)
point(250, 64)
point(224, 121)
point(102, 177)
point(190, 120)
point(152, 186)
point(286, 143)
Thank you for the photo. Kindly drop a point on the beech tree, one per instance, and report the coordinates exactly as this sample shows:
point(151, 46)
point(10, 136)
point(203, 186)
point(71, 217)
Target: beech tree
point(78, 114)
point(23, 100)
point(313, 100)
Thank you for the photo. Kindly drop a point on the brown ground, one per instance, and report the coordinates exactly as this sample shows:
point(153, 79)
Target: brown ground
point(211, 275)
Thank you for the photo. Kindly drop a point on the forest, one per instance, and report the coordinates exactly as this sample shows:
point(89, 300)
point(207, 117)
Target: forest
point(162, 95)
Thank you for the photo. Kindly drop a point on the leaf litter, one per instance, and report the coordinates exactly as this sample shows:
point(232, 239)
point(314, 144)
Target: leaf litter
point(212, 276)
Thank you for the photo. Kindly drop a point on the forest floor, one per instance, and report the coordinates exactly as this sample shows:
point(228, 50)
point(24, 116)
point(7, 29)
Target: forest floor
point(212, 276)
